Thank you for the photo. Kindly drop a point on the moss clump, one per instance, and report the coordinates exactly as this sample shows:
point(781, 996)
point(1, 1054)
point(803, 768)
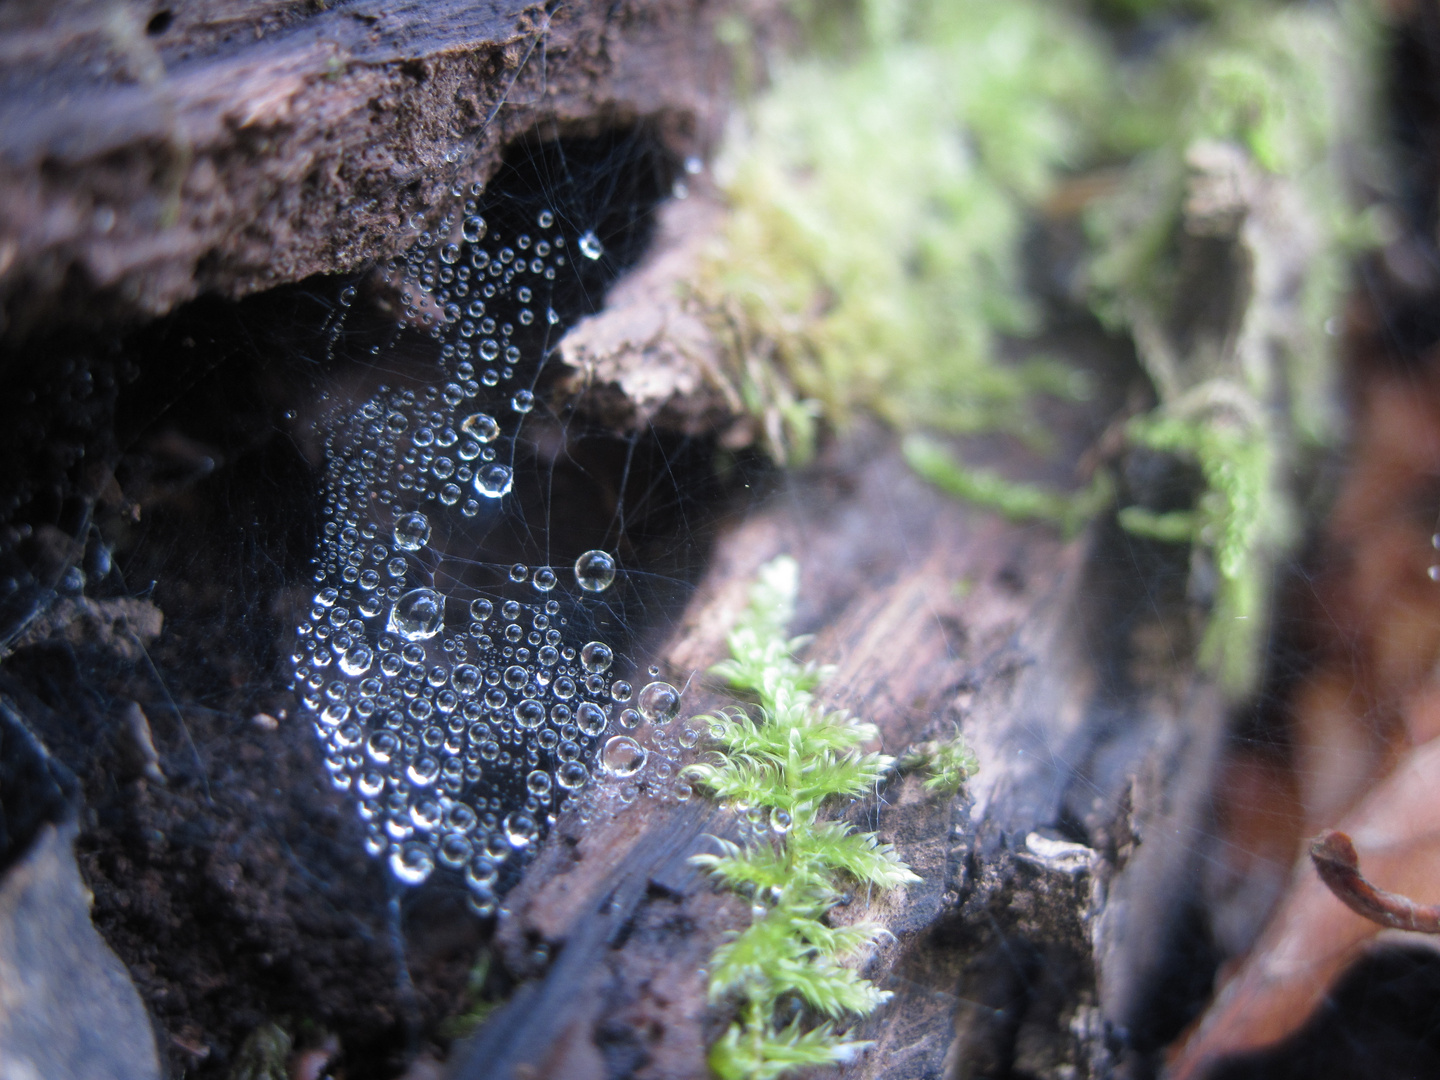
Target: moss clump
point(949, 762)
point(783, 765)
point(878, 197)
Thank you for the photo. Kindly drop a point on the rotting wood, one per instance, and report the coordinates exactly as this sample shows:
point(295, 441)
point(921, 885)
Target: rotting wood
point(934, 612)
point(149, 154)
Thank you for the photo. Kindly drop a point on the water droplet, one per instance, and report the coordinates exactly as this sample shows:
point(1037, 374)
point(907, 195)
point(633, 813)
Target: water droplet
point(595, 570)
point(545, 219)
point(518, 573)
point(538, 783)
point(357, 661)
point(1434, 573)
point(454, 850)
point(480, 609)
point(629, 718)
point(466, 679)
point(347, 296)
point(523, 401)
point(474, 228)
point(779, 821)
point(412, 531)
point(622, 756)
point(572, 775)
point(590, 245)
point(545, 579)
point(520, 830)
point(412, 863)
point(418, 614)
point(596, 656)
point(590, 718)
point(529, 714)
point(659, 702)
point(493, 480)
point(481, 427)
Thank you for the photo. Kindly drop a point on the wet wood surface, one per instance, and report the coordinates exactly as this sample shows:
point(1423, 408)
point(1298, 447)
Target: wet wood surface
point(934, 613)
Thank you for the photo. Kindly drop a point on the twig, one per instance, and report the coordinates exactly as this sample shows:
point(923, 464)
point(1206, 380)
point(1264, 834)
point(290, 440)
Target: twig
point(1339, 868)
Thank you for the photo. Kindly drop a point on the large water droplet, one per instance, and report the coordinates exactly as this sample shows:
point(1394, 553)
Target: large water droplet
point(357, 661)
point(622, 756)
point(658, 702)
point(590, 718)
point(412, 863)
point(596, 656)
point(590, 245)
point(493, 480)
point(520, 830)
point(595, 570)
point(572, 775)
point(474, 228)
point(481, 427)
point(412, 531)
point(418, 615)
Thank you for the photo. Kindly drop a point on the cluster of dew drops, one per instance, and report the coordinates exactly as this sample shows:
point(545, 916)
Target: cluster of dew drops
point(460, 724)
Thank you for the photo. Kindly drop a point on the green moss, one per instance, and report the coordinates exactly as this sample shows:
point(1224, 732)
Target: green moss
point(878, 200)
point(783, 765)
point(1014, 500)
point(950, 762)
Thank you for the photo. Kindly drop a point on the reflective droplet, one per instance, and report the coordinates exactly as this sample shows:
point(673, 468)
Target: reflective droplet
point(544, 579)
point(418, 615)
point(545, 219)
point(622, 756)
point(620, 690)
point(572, 775)
point(596, 656)
point(480, 609)
point(465, 679)
point(357, 661)
point(518, 573)
point(595, 570)
point(520, 830)
point(658, 702)
point(779, 821)
point(454, 850)
point(529, 714)
point(412, 863)
point(412, 531)
point(474, 228)
point(590, 245)
point(590, 718)
point(493, 480)
point(629, 718)
point(523, 401)
point(481, 427)
point(538, 782)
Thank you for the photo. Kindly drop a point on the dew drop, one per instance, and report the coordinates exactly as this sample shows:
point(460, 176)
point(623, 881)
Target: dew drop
point(659, 702)
point(545, 219)
point(481, 427)
point(590, 718)
point(523, 401)
point(480, 609)
point(544, 579)
point(474, 228)
point(520, 830)
point(572, 775)
point(357, 661)
point(412, 863)
point(596, 656)
point(529, 714)
point(595, 570)
point(493, 480)
point(538, 783)
point(622, 756)
point(590, 245)
point(779, 821)
point(418, 615)
point(412, 531)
